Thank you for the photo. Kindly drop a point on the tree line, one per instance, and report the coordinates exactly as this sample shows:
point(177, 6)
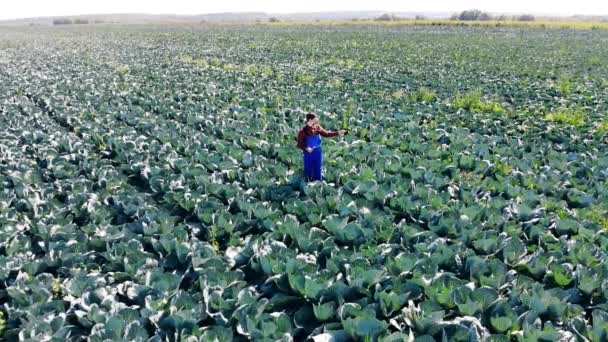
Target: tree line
point(68, 21)
point(476, 14)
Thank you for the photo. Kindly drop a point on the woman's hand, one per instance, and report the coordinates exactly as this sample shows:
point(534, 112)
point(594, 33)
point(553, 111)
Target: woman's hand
point(309, 149)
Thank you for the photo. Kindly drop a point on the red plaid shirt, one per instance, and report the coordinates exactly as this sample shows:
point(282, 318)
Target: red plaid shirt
point(312, 130)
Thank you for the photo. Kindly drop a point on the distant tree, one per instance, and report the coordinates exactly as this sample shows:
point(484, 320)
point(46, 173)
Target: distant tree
point(526, 17)
point(454, 16)
point(474, 14)
point(354, 19)
point(420, 17)
point(81, 21)
point(99, 21)
point(62, 21)
point(387, 17)
point(485, 16)
point(469, 15)
point(273, 20)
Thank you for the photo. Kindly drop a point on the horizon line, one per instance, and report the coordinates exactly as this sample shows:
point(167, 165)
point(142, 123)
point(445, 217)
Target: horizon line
point(540, 14)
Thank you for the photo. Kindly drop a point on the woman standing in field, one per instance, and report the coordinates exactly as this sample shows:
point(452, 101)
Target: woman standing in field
point(309, 141)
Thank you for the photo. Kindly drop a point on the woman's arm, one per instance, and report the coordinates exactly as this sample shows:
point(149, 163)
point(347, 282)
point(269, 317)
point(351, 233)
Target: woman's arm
point(326, 133)
point(302, 140)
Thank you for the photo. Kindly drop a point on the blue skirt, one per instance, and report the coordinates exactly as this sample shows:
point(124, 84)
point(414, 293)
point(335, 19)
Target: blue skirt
point(313, 161)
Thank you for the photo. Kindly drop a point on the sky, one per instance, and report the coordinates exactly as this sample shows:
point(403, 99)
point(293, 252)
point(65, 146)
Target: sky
point(13, 9)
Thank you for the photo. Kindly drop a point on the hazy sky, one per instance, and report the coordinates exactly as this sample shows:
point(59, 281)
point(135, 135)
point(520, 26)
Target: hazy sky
point(33, 8)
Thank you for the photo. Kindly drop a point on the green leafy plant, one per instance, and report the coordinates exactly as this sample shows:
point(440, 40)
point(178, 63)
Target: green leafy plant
point(472, 101)
point(2, 324)
point(423, 94)
point(602, 126)
point(565, 85)
point(566, 116)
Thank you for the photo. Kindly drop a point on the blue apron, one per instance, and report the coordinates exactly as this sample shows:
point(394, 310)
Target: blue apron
point(313, 161)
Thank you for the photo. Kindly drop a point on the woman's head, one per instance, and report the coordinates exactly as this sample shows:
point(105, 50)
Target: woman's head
point(311, 118)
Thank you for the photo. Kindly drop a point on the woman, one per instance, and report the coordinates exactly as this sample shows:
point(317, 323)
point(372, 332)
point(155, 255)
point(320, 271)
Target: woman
point(309, 141)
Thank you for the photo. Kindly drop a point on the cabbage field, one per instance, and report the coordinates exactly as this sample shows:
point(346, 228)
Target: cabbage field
point(151, 187)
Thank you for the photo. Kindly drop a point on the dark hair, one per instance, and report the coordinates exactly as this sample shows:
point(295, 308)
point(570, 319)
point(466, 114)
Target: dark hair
point(310, 116)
